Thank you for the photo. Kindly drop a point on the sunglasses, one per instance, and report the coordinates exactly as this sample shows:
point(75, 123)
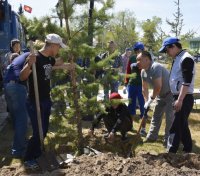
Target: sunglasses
point(168, 47)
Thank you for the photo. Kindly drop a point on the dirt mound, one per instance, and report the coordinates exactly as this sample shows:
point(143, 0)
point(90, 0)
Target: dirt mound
point(108, 164)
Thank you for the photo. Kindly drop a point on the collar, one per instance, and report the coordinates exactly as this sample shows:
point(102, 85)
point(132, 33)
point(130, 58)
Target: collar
point(181, 53)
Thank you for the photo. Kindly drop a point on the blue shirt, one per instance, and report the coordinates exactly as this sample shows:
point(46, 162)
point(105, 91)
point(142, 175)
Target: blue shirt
point(13, 70)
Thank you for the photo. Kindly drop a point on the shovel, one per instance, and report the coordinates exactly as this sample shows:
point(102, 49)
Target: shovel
point(47, 161)
point(142, 121)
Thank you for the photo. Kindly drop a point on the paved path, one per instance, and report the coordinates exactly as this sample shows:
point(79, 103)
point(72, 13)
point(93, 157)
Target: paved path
point(4, 114)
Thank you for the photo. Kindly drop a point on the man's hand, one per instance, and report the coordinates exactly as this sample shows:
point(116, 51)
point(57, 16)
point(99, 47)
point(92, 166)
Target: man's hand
point(69, 66)
point(91, 132)
point(178, 105)
point(31, 59)
point(124, 90)
point(111, 137)
point(148, 103)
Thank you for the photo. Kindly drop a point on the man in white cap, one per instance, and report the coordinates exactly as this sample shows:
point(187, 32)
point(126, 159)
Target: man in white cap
point(182, 85)
point(45, 62)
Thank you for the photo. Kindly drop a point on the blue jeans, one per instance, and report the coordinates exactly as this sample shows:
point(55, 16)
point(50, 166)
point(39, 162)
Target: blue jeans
point(135, 92)
point(16, 95)
point(34, 145)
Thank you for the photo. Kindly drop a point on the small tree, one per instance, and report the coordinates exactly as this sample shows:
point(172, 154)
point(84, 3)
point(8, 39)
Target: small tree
point(150, 29)
point(177, 24)
point(122, 29)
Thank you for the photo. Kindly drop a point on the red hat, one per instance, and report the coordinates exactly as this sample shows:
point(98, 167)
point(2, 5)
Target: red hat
point(115, 95)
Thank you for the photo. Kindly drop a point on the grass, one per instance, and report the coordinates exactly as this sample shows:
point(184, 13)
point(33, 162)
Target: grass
point(61, 138)
point(197, 78)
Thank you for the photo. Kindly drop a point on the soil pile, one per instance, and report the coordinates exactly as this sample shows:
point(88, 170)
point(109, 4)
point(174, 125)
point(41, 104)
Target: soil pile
point(107, 164)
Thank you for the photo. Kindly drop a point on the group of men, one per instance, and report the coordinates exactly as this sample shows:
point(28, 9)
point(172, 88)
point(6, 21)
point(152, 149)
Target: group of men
point(172, 93)
point(18, 81)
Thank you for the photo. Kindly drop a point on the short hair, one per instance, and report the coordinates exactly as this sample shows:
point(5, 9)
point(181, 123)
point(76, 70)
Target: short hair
point(12, 43)
point(178, 45)
point(146, 54)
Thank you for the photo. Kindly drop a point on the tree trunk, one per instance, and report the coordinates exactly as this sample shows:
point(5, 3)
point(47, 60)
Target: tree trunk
point(80, 143)
point(66, 19)
point(90, 24)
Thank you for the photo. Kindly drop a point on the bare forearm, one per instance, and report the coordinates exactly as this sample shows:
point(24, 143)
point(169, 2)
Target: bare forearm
point(156, 92)
point(183, 92)
point(145, 93)
point(66, 66)
point(25, 72)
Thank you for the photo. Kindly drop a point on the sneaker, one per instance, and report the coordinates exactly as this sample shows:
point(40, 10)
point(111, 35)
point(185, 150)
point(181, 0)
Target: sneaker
point(31, 164)
point(143, 132)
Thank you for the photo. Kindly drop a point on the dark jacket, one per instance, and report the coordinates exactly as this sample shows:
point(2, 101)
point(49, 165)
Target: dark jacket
point(118, 116)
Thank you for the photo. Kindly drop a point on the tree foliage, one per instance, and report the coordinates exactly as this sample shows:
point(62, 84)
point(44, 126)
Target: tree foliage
point(177, 24)
point(150, 28)
point(122, 29)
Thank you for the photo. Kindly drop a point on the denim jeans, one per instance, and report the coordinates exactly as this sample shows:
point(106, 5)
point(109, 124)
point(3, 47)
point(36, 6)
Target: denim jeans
point(16, 95)
point(135, 92)
point(34, 145)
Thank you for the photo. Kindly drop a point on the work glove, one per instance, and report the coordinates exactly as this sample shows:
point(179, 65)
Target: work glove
point(133, 65)
point(148, 103)
point(124, 90)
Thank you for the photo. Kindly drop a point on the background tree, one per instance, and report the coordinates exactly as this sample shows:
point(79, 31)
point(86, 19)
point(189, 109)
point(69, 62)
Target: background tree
point(177, 24)
point(150, 29)
point(122, 29)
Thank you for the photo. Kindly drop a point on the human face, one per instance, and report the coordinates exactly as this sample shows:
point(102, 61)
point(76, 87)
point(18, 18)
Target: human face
point(171, 50)
point(137, 51)
point(112, 47)
point(142, 61)
point(55, 49)
point(128, 53)
point(16, 48)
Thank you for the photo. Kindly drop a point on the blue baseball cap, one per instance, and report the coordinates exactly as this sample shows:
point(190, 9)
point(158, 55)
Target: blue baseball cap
point(138, 45)
point(168, 41)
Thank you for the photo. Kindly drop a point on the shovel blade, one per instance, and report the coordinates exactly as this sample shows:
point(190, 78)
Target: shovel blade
point(48, 162)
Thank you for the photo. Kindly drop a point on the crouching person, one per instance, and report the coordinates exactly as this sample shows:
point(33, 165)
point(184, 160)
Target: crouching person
point(116, 118)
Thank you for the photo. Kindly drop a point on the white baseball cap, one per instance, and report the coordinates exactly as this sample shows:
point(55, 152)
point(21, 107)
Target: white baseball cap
point(55, 38)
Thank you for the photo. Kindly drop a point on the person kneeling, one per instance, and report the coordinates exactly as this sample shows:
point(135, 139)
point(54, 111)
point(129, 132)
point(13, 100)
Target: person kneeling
point(116, 118)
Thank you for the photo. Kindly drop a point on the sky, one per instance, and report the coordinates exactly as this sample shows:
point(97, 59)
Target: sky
point(143, 9)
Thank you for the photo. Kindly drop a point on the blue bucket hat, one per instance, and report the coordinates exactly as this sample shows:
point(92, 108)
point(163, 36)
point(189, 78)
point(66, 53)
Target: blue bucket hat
point(168, 41)
point(138, 45)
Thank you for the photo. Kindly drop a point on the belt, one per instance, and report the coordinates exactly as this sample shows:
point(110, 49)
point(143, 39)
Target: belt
point(13, 81)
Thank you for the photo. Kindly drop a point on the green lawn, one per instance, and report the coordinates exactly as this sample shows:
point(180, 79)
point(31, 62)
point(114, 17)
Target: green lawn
point(197, 77)
point(62, 136)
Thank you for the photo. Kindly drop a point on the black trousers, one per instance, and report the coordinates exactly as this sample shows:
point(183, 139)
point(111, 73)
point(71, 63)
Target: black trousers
point(180, 131)
point(123, 127)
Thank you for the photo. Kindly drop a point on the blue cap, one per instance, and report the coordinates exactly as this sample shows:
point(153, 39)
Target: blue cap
point(138, 45)
point(168, 41)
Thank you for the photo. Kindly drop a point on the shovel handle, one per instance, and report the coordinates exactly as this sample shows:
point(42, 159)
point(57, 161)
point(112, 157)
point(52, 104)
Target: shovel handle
point(35, 82)
point(142, 121)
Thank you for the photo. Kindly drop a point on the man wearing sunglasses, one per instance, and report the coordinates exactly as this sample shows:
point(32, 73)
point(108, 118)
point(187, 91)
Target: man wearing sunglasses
point(182, 85)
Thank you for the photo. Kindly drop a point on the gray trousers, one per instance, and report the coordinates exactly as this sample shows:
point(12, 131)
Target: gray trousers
point(163, 105)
